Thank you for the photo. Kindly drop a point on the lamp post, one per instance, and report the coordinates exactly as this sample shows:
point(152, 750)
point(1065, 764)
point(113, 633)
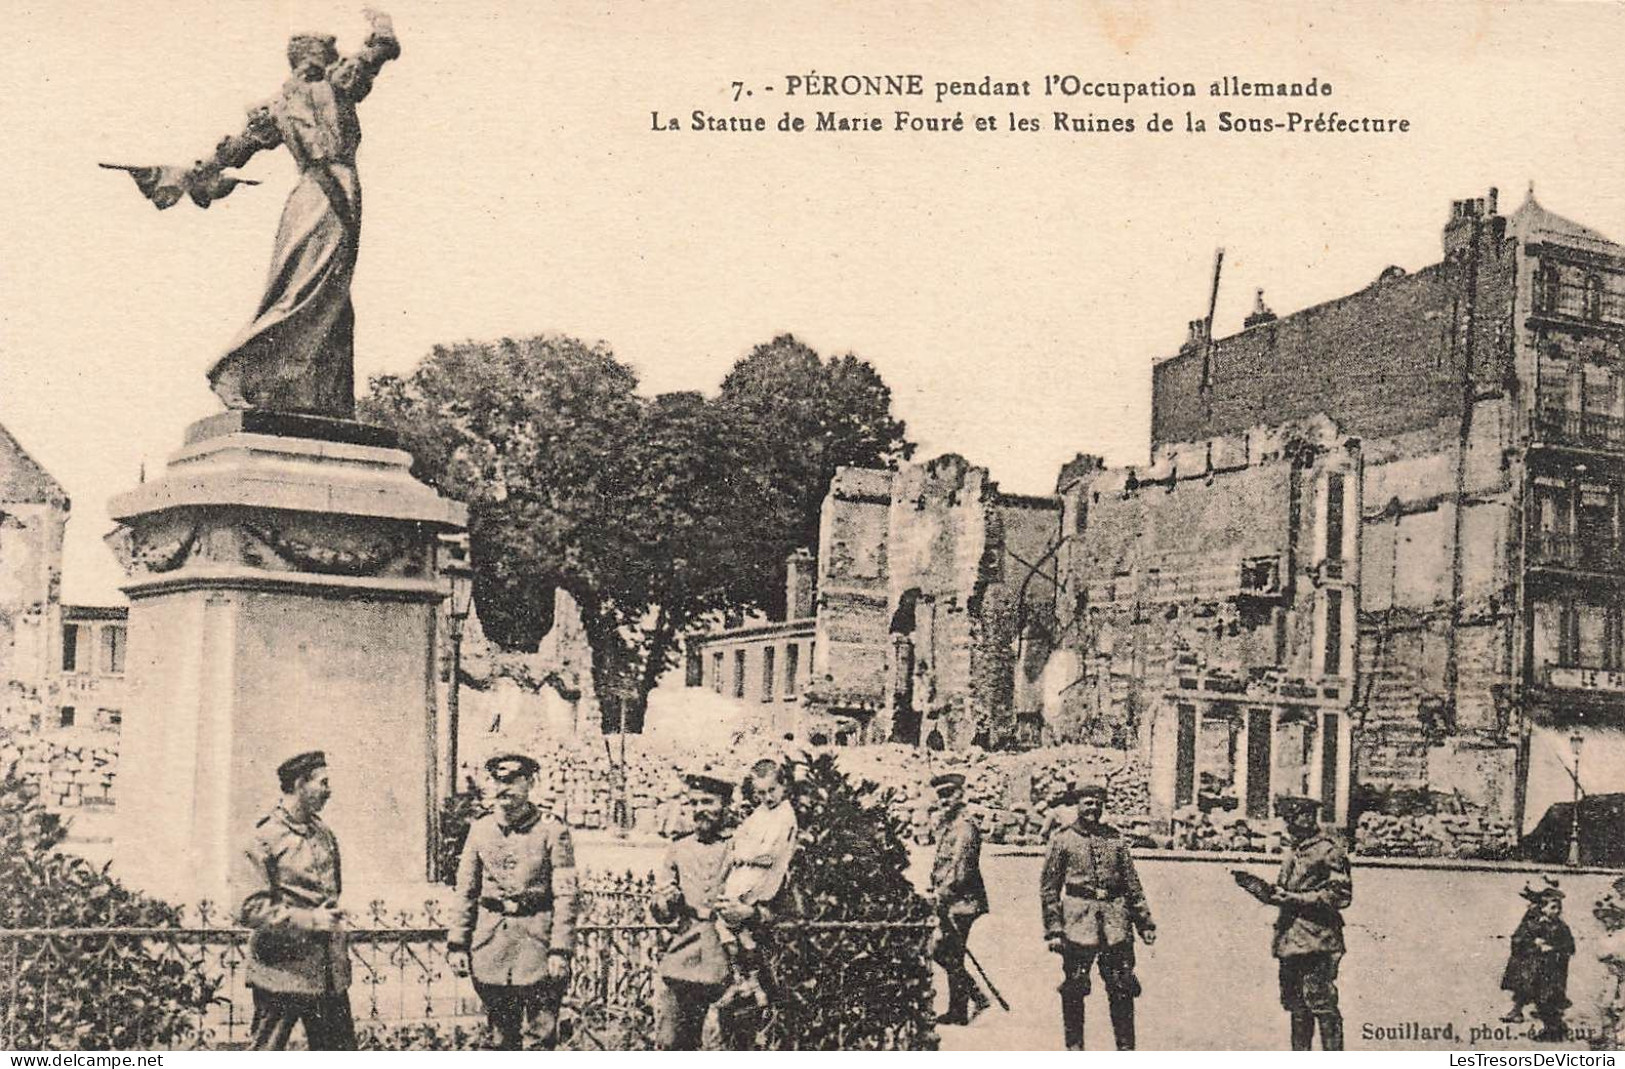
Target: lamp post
point(459, 572)
point(1576, 741)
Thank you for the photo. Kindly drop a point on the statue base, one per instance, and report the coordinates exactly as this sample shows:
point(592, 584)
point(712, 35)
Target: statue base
point(283, 597)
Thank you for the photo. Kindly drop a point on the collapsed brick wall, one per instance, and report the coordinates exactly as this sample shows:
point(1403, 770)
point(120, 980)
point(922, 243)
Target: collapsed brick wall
point(1422, 367)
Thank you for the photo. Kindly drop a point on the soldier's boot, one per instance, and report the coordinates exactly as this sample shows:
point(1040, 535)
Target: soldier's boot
point(1122, 1010)
point(1072, 1014)
point(958, 1001)
point(1303, 1031)
point(1331, 1031)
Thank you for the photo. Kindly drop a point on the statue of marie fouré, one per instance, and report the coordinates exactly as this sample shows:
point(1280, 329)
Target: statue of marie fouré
point(298, 353)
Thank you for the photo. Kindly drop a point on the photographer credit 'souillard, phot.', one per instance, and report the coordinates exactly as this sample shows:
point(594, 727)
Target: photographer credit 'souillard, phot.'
point(1091, 563)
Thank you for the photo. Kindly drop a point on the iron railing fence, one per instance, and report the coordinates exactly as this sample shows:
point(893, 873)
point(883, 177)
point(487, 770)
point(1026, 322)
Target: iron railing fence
point(166, 982)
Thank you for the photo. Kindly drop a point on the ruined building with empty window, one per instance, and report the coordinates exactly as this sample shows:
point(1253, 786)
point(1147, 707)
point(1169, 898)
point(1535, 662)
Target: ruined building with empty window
point(1376, 553)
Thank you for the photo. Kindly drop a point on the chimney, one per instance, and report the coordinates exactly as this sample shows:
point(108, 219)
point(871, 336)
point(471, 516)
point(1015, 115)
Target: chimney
point(800, 585)
point(1261, 313)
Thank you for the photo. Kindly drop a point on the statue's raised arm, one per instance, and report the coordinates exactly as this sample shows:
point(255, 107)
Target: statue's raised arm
point(298, 353)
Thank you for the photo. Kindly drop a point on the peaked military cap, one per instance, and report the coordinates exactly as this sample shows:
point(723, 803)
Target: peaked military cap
point(298, 766)
point(1287, 804)
point(948, 779)
point(507, 767)
point(709, 784)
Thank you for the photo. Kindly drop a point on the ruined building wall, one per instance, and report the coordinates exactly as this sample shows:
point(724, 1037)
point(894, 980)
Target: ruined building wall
point(1421, 368)
point(939, 531)
point(921, 621)
point(1202, 560)
point(1381, 361)
point(33, 521)
point(850, 641)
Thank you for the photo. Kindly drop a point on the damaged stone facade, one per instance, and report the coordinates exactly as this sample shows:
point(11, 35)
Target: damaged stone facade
point(33, 521)
point(1207, 616)
point(1487, 396)
point(935, 605)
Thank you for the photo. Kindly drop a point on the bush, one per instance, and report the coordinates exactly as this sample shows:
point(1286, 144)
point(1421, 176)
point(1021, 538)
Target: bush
point(848, 988)
point(90, 992)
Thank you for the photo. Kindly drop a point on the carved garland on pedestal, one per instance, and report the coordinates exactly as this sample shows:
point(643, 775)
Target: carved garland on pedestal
point(330, 555)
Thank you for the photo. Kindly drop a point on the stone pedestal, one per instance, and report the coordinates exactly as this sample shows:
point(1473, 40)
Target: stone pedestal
point(282, 599)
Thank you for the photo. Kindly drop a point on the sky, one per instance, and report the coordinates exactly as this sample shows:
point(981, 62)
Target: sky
point(1014, 288)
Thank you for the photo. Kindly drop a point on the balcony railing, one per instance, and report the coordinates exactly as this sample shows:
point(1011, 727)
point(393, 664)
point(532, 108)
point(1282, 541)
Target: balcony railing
point(1549, 549)
point(1583, 430)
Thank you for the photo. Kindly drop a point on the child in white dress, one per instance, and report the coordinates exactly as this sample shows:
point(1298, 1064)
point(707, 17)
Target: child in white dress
point(761, 850)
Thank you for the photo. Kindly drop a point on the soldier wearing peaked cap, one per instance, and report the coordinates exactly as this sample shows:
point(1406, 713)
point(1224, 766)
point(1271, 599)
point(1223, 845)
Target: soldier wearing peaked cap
point(515, 924)
point(298, 956)
point(959, 894)
point(695, 970)
point(1092, 905)
point(1313, 888)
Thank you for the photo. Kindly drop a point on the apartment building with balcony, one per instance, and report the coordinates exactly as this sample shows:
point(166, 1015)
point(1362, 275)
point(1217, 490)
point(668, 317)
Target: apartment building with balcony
point(1486, 394)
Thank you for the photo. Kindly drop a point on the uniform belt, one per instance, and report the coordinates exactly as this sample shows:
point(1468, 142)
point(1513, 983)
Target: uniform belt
point(1093, 893)
point(522, 905)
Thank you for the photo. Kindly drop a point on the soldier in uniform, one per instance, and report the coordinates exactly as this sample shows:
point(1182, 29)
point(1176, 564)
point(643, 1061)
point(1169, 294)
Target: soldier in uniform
point(1313, 888)
point(298, 956)
point(516, 885)
point(695, 970)
point(1093, 904)
point(959, 895)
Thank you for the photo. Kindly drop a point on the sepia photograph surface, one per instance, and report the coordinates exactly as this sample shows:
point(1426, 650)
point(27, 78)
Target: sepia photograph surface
point(812, 527)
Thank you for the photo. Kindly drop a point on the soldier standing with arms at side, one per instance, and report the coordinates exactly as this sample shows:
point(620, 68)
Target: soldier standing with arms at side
point(1312, 890)
point(695, 970)
point(959, 895)
point(1093, 904)
point(515, 928)
point(298, 957)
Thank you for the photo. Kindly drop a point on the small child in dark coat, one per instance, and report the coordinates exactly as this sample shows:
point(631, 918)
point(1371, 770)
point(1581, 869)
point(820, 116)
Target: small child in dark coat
point(1537, 971)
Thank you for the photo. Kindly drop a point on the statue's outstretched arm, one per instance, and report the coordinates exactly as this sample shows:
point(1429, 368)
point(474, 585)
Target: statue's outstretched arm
point(205, 183)
point(353, 74)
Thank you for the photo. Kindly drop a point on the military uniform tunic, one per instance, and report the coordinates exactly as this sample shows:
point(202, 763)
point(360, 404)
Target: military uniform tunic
point(298, 969)
point(956, 871)
point(1312, 889)
point(695, 969)
point(293, 870)
point(1089, 890)
point(517, 891)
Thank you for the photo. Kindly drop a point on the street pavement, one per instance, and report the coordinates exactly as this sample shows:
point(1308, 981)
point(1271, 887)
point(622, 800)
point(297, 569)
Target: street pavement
point(1425, 951)
point(1426, 947)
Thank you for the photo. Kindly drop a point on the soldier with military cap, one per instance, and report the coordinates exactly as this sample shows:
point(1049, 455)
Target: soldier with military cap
point(959, 894)
point(695, 970)
point(1313, 888)
point(298, 956)
point(515, 923)
point(1093, 904)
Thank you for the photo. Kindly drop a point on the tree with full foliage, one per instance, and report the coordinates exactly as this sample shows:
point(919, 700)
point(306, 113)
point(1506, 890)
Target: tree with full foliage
point(807, 416)
point(657, 515)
